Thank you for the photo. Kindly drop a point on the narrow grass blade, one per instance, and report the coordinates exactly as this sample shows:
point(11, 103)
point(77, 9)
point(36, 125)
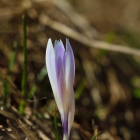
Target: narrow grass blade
point(95, 137)
point(56, 126)
point(32, 91)
point(21, 107)
point(11, 64)
point(80, 89)
point(24, 72)
point(13, 55)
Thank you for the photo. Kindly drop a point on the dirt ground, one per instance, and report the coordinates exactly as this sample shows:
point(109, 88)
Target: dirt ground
point(104, 36)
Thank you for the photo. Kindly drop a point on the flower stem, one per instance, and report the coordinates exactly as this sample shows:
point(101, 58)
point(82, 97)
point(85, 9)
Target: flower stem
point(65, 137)
point(65, 129)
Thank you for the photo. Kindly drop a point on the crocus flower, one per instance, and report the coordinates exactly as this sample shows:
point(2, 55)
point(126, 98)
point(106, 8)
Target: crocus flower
point(61, 71)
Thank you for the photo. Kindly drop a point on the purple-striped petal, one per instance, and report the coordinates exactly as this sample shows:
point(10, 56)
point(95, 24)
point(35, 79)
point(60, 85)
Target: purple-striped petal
point(60, 78)
point(65, 128)
point(51, 68)
point(69, 66)
point(69, 74)
point(59, 49)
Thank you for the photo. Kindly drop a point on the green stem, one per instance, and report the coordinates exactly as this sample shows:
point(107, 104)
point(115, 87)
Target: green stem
point(56, 126)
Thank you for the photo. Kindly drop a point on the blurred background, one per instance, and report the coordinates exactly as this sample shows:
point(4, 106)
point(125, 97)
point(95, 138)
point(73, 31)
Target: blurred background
point(105, 37)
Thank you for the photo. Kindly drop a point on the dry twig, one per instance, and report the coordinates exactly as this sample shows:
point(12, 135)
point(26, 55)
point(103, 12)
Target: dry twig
point(69, 32)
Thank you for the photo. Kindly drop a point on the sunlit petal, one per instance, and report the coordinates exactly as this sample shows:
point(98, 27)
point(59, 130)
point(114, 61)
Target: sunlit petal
point(70, 66)
point(51, 68)
point(69, 73)
point(71, 113)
